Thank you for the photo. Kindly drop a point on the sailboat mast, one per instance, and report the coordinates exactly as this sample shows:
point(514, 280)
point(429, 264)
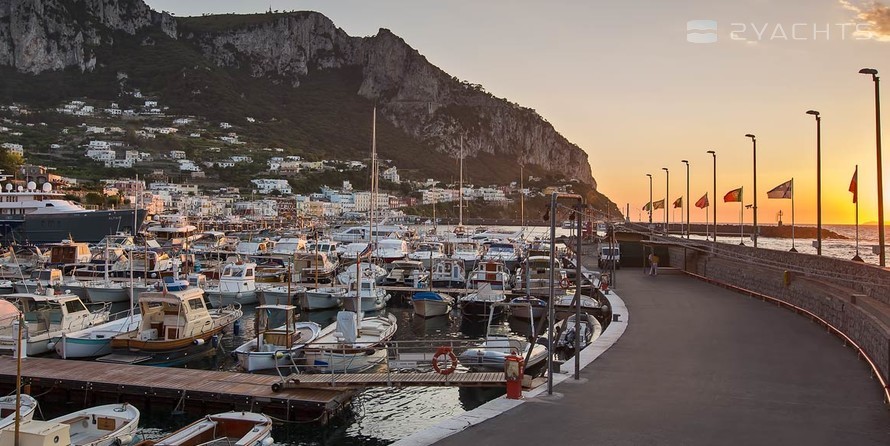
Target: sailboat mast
point(372, 170)
point(460, 191)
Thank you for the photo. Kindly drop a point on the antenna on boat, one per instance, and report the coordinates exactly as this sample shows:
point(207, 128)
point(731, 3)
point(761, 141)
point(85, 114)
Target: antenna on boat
point(18, 377)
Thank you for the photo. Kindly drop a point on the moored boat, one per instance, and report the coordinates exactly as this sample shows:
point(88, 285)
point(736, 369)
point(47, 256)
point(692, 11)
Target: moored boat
point(322, 298)
point(175, 326)
point(350, 344)
point(431, 303)
point(27, 406)
point(108, 425)
point(280, 340)
point(230, 428)
point(47, 318)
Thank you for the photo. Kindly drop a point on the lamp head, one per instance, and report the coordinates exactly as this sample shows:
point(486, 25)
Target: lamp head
point(870, 71)
point(649, 175)
point(665, 169)
point(749, 135)
point(813, 112)
point(686, 162)
point(712, 152)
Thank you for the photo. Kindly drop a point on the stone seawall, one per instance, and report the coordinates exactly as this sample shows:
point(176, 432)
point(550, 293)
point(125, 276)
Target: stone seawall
point(853, 297)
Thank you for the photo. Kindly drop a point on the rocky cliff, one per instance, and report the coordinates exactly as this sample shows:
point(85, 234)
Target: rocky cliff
point(41, 35)
point(432, 107)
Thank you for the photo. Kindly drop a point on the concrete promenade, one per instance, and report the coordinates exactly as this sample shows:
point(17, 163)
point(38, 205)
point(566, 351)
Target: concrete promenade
point(701, 365)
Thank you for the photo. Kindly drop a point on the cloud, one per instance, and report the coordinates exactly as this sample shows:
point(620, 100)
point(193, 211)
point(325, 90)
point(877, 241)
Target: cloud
point(875, 14)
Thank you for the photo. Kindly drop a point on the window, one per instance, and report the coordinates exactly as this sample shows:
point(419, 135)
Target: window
point(196, 304)
point(74, 306)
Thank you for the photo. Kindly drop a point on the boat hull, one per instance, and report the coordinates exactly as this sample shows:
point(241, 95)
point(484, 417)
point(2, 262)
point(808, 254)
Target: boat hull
point(90, 226)
point(222, 299)
point(321, 300)
point(107, 294)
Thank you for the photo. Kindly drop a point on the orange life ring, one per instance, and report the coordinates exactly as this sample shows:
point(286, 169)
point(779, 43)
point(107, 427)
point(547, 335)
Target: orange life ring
point(448, 356)
point(565, 283)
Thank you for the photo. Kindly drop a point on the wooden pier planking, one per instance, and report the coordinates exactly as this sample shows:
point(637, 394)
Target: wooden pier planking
point(208, 386)
point(484, 379)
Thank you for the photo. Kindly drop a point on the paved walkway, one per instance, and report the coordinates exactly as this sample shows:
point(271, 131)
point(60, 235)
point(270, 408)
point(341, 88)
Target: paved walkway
point(700, 365)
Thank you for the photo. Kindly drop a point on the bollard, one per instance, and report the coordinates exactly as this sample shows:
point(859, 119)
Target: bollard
point(236, 327)
point(513, 374)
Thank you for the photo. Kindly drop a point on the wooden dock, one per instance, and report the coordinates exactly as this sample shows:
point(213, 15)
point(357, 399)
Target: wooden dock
point(198, 391)
point(358, 380)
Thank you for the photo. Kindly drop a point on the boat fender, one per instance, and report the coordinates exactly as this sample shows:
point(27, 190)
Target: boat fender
point(444, 355)
point(370, 351)
point(214, 341)
point(123, 440)
point(51, 345)
point(564, 283)
point(267, 441)
point(198, 342)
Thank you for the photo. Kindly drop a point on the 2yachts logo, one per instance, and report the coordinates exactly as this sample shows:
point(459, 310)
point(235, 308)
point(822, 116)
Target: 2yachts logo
point(705, 31)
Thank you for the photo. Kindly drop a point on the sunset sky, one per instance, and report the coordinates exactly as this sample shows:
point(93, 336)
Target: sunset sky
point(621, 80)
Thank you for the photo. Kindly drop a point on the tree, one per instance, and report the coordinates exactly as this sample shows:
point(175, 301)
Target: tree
point(94, 199)
point(10, 162)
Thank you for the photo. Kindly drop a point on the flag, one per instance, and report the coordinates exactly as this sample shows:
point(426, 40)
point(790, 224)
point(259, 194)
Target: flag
point(646, 206)
point(658, 204)
point(678, 203)
point(784, 190)
point(853, 184)
point(702, 202)
point(733, 196)
point(366, 251)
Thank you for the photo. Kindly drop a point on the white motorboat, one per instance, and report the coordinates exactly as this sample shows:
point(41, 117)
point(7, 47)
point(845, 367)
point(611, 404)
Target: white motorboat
point(47, 318)
point(566, 336)
point(428, 253)
point(39, 279)
point(500, 343)
point(391, 249)
point(280, 340)
point(448, 273)
point(405, 272)
point(533, 276)
point(368, 297)
point(230, 428)
point(322, 298)
point(367, 269)
point(107, 291)
point(310, 266)
point(431, 303)
point(528, 307)
point(563, 307)
point(95, 341)
point(108, 425)
point(492, 272)
point(237, 284)
point(481, 302)
point(469, 251)
point(27, 406)
point(280, 295)
point(505, 252)
point(350, 344)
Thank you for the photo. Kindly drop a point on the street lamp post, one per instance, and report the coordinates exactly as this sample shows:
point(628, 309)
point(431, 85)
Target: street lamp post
point(667, 200)
point(754, 141)
point(818, 180)
point(874, 76)
point(686, 199)
point(714, 203)
point(650, 200)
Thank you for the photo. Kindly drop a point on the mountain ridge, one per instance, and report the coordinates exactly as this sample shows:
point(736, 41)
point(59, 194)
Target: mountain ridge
point(246, 53)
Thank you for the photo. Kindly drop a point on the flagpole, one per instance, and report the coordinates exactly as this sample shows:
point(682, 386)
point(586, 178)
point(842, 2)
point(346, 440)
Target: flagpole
point(741, 222)
point(856, 200)
point(792, 216)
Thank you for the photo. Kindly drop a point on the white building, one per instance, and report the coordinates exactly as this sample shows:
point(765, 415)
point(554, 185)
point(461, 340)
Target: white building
point(14, 148)
point(188, 166)
point(266, 185)
point(225, 125)
point(391, 174)
point(177, 154)
point(104, 155)
point(96, 130)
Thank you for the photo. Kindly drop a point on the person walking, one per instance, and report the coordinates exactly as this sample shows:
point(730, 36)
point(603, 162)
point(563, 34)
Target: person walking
point(653, 264)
